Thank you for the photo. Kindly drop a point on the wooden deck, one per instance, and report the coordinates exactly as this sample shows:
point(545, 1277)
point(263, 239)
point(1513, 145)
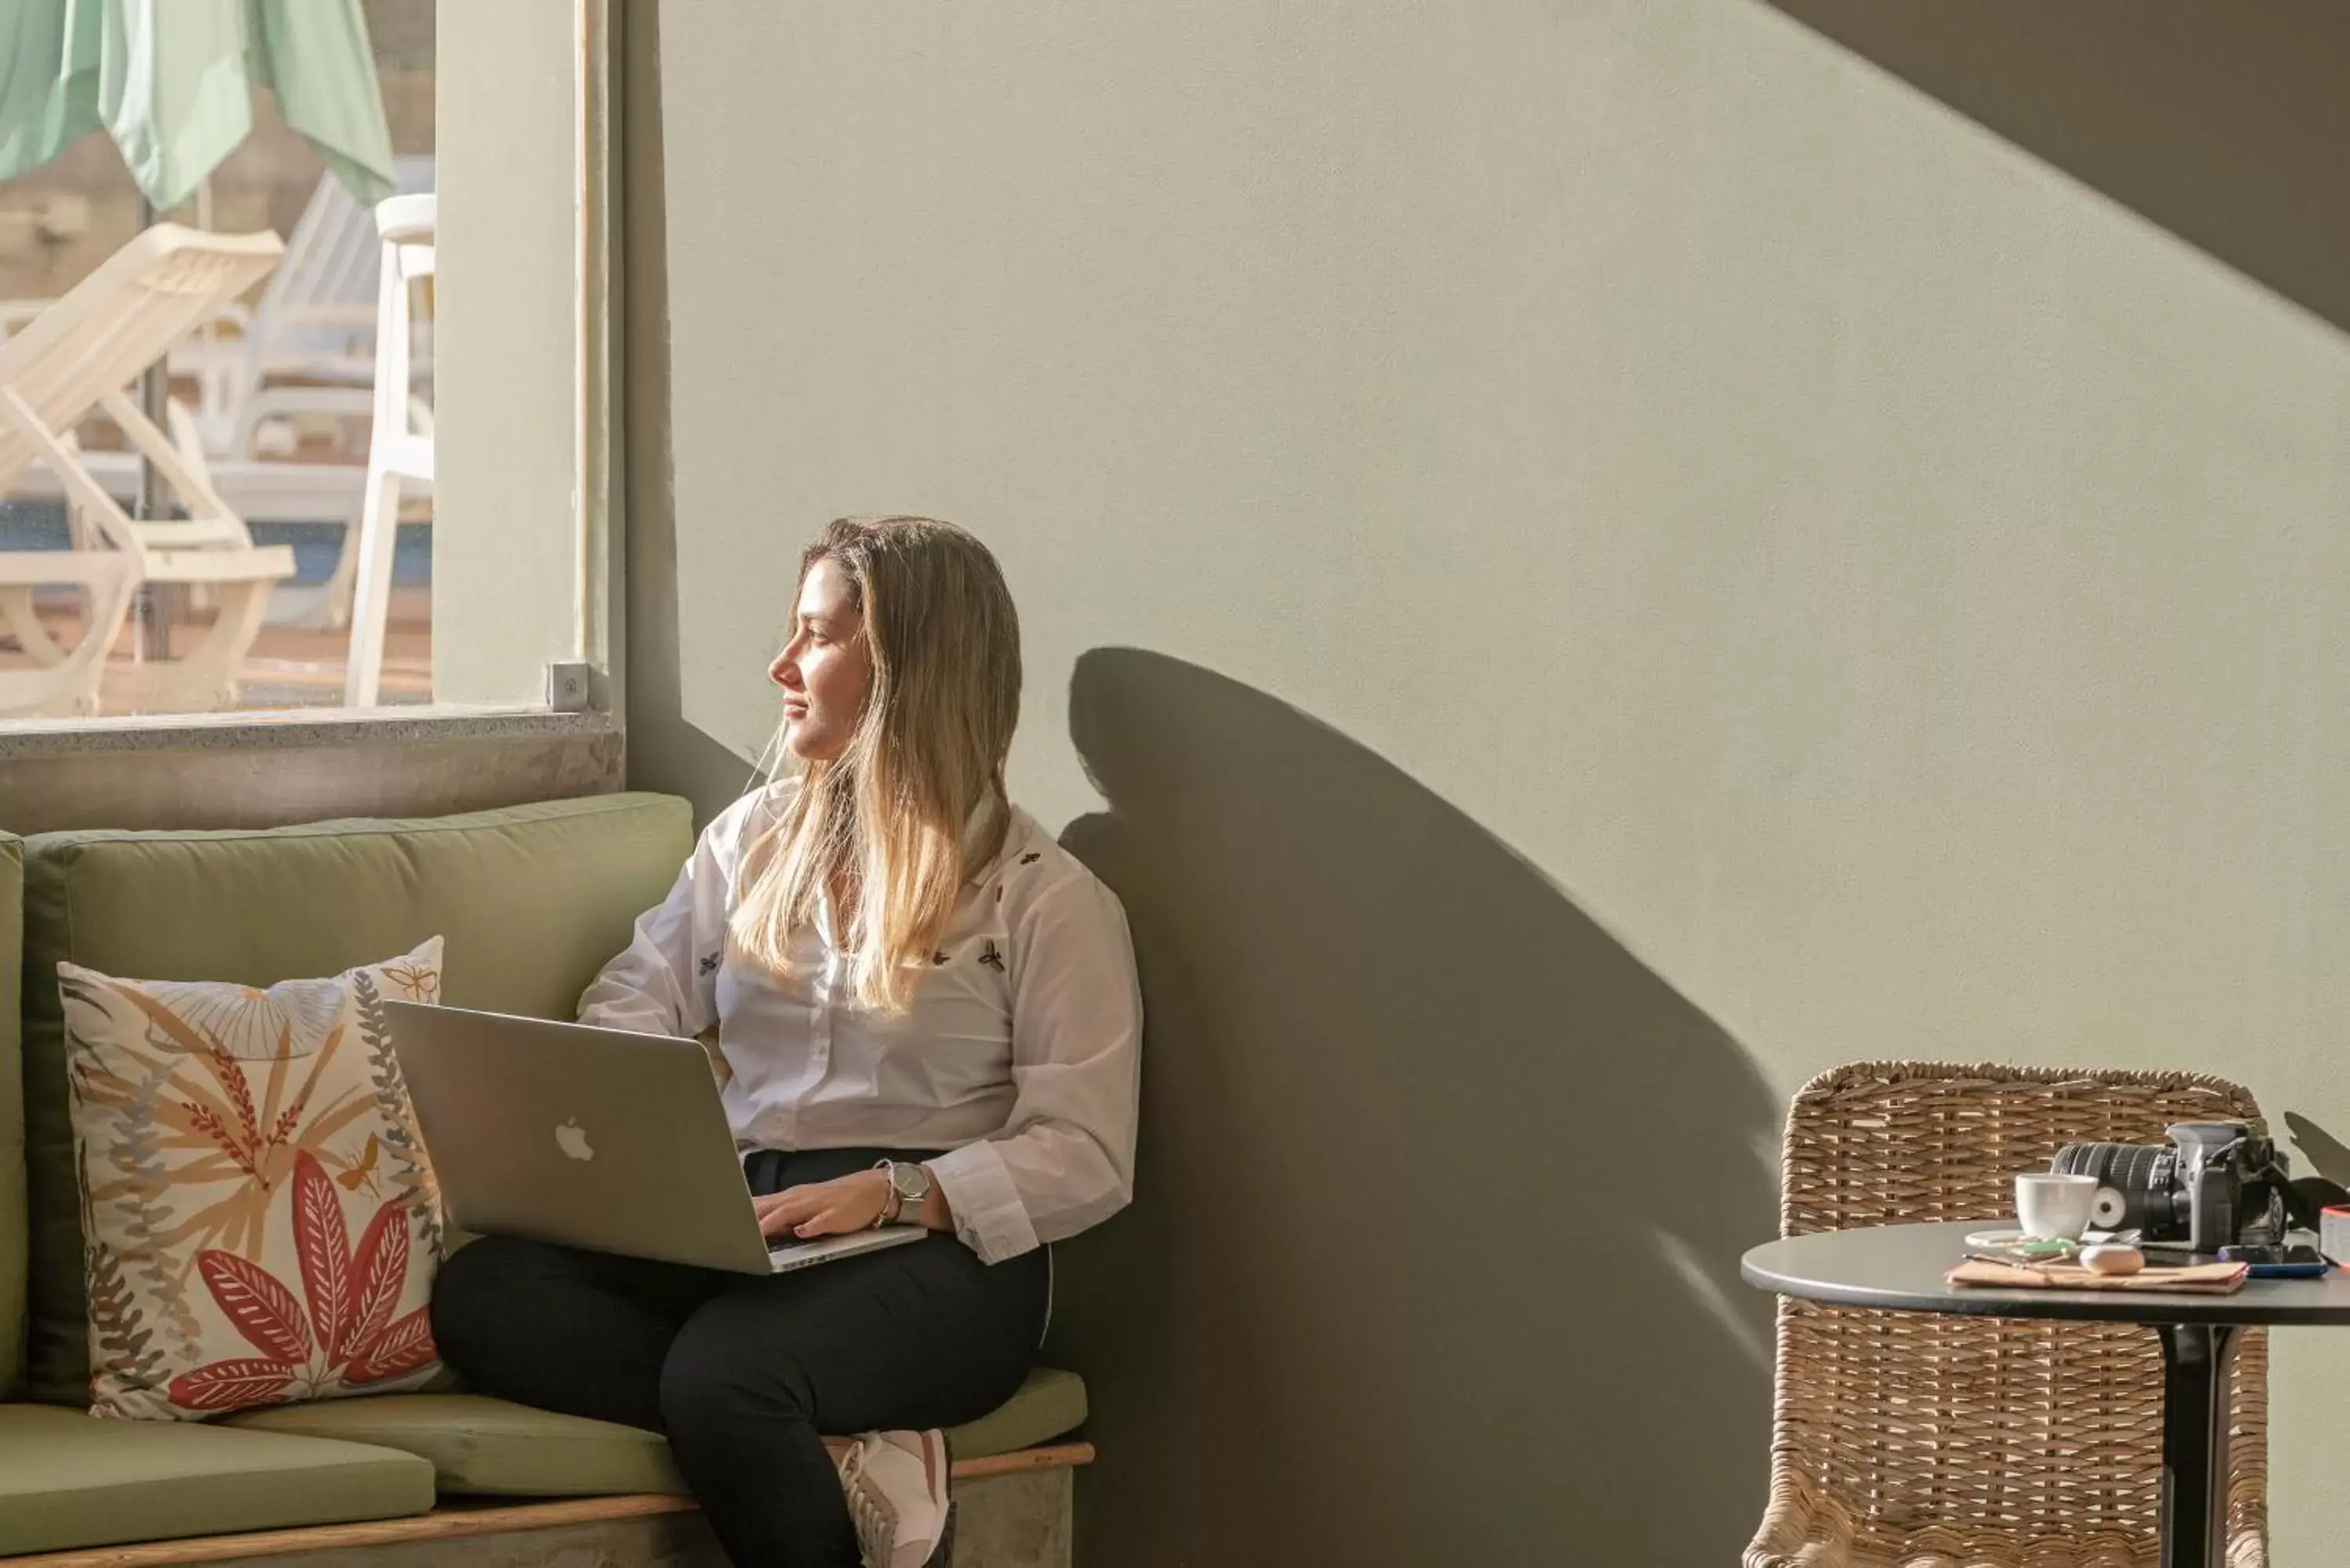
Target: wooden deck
point(289, 666)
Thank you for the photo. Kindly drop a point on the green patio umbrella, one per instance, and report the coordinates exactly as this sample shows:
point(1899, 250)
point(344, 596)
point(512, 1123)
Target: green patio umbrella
point(169, 81)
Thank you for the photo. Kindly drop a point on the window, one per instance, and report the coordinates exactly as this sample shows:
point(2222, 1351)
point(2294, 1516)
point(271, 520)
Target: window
point(252, 593)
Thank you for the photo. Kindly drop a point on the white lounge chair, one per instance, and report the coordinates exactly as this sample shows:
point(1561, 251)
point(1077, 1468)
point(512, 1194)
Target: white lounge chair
point(305, 348)
point(76, 357)
point(314, 323)
point(302, 354)
point(398, 454)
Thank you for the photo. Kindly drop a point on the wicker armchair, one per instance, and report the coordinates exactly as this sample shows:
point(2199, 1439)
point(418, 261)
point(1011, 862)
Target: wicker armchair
point(1911, 1440)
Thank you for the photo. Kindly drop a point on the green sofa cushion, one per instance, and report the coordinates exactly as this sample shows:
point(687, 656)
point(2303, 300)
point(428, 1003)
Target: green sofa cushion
point(533, 899)
point(481, 1445)
point(1051, 1404)
point(477, 1444)
point(67, 1480)
point(14, 1237)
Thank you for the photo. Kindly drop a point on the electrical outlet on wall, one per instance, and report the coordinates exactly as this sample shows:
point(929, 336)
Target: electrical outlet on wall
point(566, 688)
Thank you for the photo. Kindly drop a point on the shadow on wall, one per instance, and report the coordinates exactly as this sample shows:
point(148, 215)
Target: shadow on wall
point(2321, 1153)
point(2225, 124)
point(1443, 1191)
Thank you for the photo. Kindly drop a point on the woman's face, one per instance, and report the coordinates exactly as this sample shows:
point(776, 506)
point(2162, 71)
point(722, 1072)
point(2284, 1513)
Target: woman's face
point(825, 671)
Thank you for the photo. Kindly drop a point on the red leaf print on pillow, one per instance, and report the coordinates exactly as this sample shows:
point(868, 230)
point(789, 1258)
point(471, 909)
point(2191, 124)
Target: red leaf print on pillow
point(405, 1346)
point(260, 1308)
point(323, 1245)
point(351, 1300)
point(378, 1275)
point(233, 1385)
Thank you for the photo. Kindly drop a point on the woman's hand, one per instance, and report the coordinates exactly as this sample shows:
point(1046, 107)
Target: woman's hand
point(835, 1207)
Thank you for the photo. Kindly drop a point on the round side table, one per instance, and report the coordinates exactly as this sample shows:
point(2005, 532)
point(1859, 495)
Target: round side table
point(1900, 1268)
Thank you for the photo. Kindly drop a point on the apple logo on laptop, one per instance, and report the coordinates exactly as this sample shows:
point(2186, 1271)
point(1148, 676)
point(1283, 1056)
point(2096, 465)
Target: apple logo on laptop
point(572, 1138)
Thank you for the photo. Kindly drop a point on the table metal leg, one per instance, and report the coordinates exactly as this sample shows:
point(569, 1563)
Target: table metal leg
point(2196, 1363)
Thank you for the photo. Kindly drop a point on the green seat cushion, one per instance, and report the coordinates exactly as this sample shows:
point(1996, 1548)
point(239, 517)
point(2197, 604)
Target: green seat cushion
point(532, 899)
point(477, 1444)
point(14, 1236)
point(67, 1480)
point(481, 1445)
point(1051, 1404)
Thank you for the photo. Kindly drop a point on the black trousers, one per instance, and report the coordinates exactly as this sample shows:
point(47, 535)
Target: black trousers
point(743, 1374)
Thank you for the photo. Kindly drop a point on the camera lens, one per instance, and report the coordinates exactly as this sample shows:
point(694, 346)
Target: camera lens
point(2140, 1174)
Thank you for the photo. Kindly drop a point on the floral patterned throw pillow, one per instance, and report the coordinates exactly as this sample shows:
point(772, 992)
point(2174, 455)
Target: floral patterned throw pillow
point(259, 1222)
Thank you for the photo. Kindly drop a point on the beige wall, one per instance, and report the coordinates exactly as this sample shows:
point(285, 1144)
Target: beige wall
point(506, 551)
point(1581, 563)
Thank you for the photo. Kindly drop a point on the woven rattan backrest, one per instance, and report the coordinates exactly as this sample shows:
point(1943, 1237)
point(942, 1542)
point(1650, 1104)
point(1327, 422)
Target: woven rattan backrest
point(1989, 1439)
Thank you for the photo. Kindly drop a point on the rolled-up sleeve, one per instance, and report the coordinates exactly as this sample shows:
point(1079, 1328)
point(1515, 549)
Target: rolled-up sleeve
point(1064, 1159)
point(666, 980)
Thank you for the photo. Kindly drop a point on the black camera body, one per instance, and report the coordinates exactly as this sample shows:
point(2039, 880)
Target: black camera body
point(2213, 1185)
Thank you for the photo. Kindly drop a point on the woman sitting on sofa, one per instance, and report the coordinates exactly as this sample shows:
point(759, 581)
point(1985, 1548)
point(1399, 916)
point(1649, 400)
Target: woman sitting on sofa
point(928, 1013)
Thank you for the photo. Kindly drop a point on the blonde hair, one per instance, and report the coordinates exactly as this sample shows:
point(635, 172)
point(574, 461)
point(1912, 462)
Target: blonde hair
point(888, 816)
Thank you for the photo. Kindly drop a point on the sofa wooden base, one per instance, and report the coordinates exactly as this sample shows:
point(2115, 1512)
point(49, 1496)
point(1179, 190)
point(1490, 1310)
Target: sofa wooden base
point(1011, 1510)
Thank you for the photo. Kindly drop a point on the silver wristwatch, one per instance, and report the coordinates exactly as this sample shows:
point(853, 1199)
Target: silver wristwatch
point(911, 1183)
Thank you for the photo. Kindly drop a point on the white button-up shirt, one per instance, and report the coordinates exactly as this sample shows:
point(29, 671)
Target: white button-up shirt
point(1019, 1054)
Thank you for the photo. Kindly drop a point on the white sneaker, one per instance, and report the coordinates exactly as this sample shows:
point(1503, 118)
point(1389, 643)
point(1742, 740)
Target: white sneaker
point(896, 1483)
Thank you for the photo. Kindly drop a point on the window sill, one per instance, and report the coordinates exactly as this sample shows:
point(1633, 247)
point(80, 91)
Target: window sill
point(290, 729)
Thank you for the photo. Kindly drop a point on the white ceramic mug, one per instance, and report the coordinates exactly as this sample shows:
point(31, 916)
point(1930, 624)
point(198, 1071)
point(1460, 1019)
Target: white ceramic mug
point(2049, 1207)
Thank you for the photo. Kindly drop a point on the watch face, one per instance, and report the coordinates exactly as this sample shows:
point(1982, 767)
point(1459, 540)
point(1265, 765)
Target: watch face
point(910, 1180)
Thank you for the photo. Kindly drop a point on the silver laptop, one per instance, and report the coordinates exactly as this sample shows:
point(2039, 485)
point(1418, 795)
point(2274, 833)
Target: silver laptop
point(591, 1137)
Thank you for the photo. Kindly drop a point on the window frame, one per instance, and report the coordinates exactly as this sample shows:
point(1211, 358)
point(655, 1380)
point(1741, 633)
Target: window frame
point(595, 611)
